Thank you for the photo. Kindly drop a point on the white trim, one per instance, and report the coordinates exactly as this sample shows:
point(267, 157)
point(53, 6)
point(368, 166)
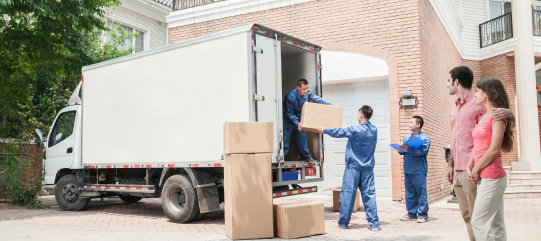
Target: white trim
point(167, 34)
point(135, 26)
point(537, 67)
point(450, 19)
point(536, 44)
point(149, 10)
point(224, 9)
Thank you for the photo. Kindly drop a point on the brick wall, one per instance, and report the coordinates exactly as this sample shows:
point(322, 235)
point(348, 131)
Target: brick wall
point(503, 68)
point(438, 57)
point(35, 164)
point(383, 29)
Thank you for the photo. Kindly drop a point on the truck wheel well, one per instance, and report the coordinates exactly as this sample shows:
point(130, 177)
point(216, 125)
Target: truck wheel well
point(61, 173)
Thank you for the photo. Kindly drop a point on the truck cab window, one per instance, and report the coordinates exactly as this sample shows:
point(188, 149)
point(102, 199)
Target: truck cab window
point(63, 128)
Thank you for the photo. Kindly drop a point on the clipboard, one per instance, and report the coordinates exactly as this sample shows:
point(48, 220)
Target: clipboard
point(397, 147)
point(415, 142)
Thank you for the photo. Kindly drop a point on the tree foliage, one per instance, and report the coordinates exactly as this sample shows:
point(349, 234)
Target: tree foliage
point(43, 46)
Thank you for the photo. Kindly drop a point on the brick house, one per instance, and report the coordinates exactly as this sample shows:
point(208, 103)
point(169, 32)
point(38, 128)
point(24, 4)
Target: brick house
point(376, 51)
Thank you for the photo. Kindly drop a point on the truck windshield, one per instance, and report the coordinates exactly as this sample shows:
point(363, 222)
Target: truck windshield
point(63, 128)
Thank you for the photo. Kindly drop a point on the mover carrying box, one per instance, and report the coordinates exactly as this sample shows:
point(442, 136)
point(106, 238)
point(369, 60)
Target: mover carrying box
point(295, 220)
point(315, 115)
point(248, 196)
point(248, 137)
point(336, 199)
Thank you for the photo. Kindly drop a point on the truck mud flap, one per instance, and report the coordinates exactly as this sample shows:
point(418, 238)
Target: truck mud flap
point(207, 192)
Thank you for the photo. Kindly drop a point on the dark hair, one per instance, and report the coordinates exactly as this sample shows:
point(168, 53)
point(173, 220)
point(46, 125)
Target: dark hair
point(302, 82)
point(497, 95)
point(366, 111)
point(464, 76)
point(419, 120)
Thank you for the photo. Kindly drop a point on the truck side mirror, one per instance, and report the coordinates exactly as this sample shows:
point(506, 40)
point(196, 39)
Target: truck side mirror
point(39, 136)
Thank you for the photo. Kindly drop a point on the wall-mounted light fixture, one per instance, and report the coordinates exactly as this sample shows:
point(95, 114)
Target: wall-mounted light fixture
point(408, 101)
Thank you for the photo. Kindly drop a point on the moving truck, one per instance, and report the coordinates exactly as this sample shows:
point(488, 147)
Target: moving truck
point(151, 124)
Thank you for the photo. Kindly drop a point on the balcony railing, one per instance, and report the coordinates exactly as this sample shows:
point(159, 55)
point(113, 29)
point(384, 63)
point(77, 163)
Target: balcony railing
point(183, 4)
point(496, 30)
point(536, 17)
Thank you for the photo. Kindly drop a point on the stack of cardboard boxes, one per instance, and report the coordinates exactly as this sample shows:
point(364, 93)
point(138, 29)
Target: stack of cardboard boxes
point(249, 212)
point(247, 180)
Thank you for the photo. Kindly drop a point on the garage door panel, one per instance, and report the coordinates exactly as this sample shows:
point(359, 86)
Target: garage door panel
point(352, 96)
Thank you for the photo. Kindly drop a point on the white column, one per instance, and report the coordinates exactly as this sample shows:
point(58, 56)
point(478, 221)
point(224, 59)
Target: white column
point(530, 158)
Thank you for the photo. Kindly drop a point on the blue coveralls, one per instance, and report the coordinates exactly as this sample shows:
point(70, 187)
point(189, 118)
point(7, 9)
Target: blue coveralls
point(359, 172)
point(292, 108)
point(415, 170)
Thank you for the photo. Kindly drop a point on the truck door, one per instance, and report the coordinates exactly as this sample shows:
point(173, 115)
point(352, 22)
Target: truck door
point(60, 143)
point(268, 88)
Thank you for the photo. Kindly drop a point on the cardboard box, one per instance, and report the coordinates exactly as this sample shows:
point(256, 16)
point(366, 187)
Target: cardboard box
point(248, 196)
point(336, 198)
point(315, 115)
point(248, 137)
point(313, 147)
point(295, 220)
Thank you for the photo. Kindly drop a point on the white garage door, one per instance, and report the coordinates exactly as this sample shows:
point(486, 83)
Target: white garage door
point(352, 96)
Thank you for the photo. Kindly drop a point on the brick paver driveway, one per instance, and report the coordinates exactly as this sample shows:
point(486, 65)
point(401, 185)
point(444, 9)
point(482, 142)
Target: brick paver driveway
point(113, 220)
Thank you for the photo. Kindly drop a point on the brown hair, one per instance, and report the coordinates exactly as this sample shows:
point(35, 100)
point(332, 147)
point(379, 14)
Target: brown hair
point(497, 95)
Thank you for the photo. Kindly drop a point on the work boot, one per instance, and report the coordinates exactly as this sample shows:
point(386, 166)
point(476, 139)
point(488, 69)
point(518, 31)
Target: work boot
point(421, 220)
point(338, 226)
point(407, 218)
point(375, 229)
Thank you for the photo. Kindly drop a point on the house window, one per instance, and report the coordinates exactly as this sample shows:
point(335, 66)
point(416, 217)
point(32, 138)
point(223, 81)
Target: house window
point(138, 42)
point(494, 9)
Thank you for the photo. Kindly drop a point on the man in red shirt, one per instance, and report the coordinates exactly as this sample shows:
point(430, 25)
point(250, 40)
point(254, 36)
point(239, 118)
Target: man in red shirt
point(463, 117)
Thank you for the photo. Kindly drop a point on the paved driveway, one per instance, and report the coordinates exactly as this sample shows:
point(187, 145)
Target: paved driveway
point(112, 219)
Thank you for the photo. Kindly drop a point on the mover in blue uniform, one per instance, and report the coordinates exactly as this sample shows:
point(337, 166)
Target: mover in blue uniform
point(359, 171)
point(415, 170)
point(292, 108)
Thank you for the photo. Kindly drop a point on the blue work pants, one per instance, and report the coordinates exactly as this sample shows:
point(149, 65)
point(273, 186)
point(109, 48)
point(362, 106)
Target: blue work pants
point(416, 196)
point(300, 139)
point(352, 180)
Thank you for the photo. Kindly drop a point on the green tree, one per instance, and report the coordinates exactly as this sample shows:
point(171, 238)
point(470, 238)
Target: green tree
point(43, 46)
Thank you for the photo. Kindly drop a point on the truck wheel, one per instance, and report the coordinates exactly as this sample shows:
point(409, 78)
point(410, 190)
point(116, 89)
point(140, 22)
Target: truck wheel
point(129, 199)
point(179, 200)
point(67, 194)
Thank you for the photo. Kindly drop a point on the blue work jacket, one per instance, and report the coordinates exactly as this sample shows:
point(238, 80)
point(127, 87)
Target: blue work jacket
point(361, 144)
point(415, 159)
point(293, 102)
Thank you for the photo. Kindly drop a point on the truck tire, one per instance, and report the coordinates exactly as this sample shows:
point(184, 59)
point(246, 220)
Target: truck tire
point(129, 199)
point(67, 194)
point(179, 199)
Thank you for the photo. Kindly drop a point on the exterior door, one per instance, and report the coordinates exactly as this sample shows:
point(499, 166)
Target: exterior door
point(60, 143)
point(268, 88)
point(352, 96)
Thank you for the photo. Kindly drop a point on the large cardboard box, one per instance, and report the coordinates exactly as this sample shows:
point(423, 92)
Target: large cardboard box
point(313, 147)
point(248, 137)
point(248, 196)
point(315, 115)
point(295, 220)
point(336, 199)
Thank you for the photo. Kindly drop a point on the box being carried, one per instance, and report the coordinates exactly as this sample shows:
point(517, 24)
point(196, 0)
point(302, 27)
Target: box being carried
point(336, 198)
point(295, 220)
point(248, 137)
point(315, 115)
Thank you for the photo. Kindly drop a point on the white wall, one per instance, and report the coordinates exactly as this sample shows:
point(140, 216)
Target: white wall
point(473, 13)
point(344, 66)
point(156, 33)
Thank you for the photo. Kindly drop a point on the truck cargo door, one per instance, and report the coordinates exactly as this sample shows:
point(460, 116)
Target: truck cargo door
point(268, 89)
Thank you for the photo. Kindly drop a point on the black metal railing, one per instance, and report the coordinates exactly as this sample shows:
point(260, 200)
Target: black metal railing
point(496, 30)
point(536, 17)
point(183, 4)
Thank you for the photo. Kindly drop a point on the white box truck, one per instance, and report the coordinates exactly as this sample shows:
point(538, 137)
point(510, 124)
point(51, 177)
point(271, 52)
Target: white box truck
point(150, 124)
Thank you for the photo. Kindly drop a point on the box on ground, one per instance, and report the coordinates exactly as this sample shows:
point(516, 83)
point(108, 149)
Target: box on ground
point(248, 137)
point(295, 220)
point(313, 146)
point(248, 196)
point(315, 115)
point(336, 199)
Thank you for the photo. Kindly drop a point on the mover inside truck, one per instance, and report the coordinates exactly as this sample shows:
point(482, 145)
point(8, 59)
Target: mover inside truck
point(298, 64)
